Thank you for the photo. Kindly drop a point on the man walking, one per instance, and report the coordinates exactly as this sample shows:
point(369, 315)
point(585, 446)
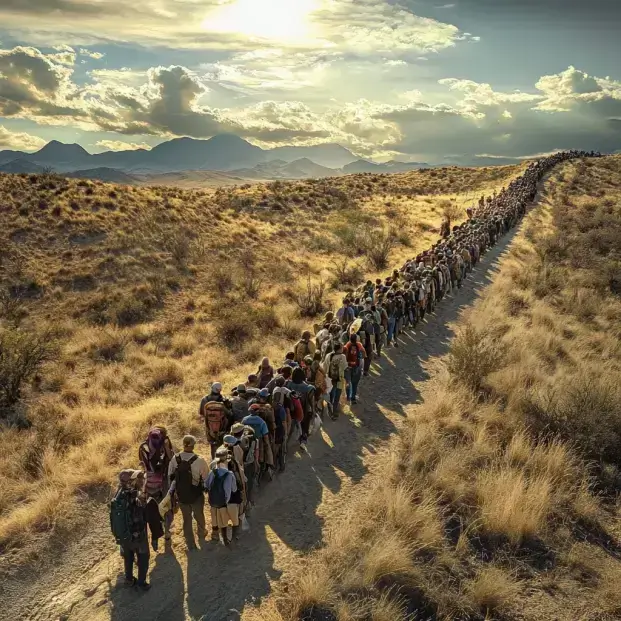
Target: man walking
point(189, 471)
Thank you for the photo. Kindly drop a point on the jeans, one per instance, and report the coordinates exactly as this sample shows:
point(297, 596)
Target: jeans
point(139, 554)
point(353, 374)
point(392, 323)
point(335, 398)
point(197, 510)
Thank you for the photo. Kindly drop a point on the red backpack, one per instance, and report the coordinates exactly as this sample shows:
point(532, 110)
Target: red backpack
point(215, 418)
point(297, 410)
point(353, 353)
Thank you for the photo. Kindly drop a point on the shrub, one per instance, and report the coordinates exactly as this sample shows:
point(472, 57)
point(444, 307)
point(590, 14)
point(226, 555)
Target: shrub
point(377, 246)
point(346, 274)
point(109, 346)
point(310, 301)
point(234, 329)
point(166, 373)
point(21, 355)
point(473, 355)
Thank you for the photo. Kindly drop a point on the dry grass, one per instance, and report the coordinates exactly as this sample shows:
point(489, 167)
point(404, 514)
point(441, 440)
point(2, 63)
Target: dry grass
point(502, 502)
point(155, 292)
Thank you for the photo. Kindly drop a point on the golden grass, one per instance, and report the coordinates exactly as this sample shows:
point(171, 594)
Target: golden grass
point(501, 502)
point(141, 284)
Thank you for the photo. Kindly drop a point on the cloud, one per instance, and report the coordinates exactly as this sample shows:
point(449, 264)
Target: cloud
point(121, 145)
point(19, 141)
point(564, 110)
point(91, 54)
point(361, 26)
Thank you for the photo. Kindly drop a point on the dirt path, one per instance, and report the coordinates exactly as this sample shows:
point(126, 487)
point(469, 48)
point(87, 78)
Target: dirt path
point(214, 583)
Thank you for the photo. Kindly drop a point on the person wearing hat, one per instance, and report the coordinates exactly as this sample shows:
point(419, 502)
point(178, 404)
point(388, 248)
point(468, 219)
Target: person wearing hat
point(236, 466)
point(189, 470)
point(239, 404)
point(128, 521)
point(216, 412)
point(247, 441)
point(220, 485)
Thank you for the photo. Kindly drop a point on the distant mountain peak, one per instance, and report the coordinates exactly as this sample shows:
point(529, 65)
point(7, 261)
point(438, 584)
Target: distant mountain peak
point(57, 149)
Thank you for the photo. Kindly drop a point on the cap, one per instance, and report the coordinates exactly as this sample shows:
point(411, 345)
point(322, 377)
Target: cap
point(241, 388)
point(230, 439)
point(236, 428)
point(216, 388)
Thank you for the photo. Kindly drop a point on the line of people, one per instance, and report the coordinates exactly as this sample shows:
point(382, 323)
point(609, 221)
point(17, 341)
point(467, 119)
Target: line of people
point(251, 431)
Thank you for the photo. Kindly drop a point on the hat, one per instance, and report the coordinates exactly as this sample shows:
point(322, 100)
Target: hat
point(230, 439)
point(216, 388)
point(236, 428)
point(241, 388)
point(127, 475)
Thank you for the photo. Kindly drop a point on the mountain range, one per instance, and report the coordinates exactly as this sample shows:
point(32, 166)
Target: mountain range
point(226, 153)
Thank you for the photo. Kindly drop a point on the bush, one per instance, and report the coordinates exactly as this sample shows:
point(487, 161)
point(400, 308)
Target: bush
point(377, 247)
point(21, 355)
point(110, 346)
point(587, 412)
point(310, 301)
point(346, 274)
point(234, 329)
point(166, 373)
point(473, 355)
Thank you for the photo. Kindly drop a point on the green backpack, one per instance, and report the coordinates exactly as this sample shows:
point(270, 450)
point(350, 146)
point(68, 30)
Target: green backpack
point(121, 516)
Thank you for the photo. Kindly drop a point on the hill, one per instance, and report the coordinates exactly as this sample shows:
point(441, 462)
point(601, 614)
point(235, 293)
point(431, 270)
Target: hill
point(138, 296)
point(220, 153)
point(21, 166)
point(499, 499)
point(110, 175)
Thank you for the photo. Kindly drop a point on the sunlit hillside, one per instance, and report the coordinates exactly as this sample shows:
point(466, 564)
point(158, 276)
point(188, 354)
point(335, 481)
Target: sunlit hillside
point(123, 304)
point(503, 499)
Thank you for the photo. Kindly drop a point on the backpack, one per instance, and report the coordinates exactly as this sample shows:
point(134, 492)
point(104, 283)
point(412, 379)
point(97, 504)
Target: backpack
point(353, 355)
point(187, 492)
point(217, 497)
point(122, 516)
point(215, 418)
point(249, 445)
point(334, 370)
point(278, 398)
point(297, 412)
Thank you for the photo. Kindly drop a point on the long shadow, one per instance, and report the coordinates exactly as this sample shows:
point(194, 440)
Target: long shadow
point(164, 601)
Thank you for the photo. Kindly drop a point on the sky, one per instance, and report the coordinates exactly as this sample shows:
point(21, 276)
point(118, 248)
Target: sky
point(413, 80)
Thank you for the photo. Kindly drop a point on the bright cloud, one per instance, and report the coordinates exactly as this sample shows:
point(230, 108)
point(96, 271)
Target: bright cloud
point(19, 141)
point(121, 145)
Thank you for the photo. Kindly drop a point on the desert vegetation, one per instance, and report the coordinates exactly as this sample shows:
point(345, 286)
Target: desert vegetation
point(119, 305)
point(501, 500)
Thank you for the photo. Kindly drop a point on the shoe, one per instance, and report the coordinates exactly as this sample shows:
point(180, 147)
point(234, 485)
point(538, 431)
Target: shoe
point(354, 402)
point(366, 374)
point(145, 586)
point(130, 582)
point(214, 534)
point(154, 544)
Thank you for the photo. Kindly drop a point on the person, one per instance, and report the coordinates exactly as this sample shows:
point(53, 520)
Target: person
point(189, 470)
point(345, 314)
point(261, 432)
point(247, 440)
point(155, 454)
point(265, 373)
point(281, 403)
point(128, 522)
point(306, 393)
point(236, 466)
point(355, 355)
point(264, 410)
point(252, 381)
point(221, 485)
point(239, 404)
point(304, 347)
point(334, 365)
point(216, 412)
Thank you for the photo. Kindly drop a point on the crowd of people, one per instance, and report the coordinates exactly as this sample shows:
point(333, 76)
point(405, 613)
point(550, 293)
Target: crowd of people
point(251, 432)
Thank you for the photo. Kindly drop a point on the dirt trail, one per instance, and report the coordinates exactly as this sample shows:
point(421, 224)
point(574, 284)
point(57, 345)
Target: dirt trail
point(214, 583)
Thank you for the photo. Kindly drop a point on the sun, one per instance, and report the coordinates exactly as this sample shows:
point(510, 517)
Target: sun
point(267, 19)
